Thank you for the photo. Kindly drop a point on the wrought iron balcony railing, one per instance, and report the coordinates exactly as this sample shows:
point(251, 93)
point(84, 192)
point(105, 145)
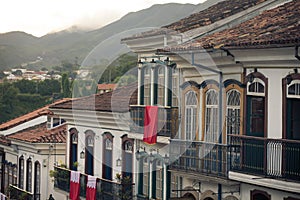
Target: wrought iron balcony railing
point(20, 194)
point(106, 189)
point(274, 158)
point(167, 120)
point(199, 157)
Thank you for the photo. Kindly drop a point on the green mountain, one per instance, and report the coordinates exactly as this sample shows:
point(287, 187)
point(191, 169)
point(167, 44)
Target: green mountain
point(73, 45)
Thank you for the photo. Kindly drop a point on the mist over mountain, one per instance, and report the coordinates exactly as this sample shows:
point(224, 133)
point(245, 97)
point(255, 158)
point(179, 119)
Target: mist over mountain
point(73, 44)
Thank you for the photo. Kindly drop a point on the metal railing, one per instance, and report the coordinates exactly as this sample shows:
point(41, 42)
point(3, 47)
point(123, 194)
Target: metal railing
point(167, 120)
point(276, 158)
point(16, 193)
point(199, 157)
point(106, 189)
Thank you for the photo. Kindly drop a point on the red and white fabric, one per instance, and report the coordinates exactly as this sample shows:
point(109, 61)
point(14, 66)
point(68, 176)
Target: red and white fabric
point(150, 124)
point(74, 185)
point(91, 188)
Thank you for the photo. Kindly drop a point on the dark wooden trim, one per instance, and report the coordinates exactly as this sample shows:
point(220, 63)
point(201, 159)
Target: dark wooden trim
point(294, 76)
point(208, 82)
point(229, 82)
point(265, 80)
point(284, 84)
point(189, 84)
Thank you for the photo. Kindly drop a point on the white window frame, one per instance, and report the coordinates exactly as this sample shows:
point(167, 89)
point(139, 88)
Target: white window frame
point(191, 117)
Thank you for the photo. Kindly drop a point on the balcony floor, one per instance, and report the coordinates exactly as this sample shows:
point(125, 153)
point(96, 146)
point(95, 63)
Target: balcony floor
point(265, 182)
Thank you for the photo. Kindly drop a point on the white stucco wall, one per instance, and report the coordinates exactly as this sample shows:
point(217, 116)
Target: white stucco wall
point(275, 194)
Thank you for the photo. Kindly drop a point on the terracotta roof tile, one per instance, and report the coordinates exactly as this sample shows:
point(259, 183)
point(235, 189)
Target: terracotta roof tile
point(29, 116)
point(279, 26)
point(40, 134)
point(205, 17)
point(107, 86)
point(118, 100)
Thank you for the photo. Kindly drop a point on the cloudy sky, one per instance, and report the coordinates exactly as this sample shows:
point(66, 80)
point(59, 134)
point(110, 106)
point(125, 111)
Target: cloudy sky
point(39, 17)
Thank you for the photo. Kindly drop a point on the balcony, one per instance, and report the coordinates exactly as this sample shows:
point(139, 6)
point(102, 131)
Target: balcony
point(273, 158)
point(167, 120)
point(17, 193)
point(106, 189)
point(199, 157)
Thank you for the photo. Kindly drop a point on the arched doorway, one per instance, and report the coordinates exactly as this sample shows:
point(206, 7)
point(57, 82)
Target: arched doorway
point(189, 196)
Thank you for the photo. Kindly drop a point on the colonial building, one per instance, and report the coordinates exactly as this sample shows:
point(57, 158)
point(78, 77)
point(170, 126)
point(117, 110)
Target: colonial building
point(221, 87)
point(30, 146)
point(230, 143)
point(99, 142)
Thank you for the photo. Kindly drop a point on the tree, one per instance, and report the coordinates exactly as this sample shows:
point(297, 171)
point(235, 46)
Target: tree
point(8, 100)
point(65, 85)
point(26, 86)
point(49, 87)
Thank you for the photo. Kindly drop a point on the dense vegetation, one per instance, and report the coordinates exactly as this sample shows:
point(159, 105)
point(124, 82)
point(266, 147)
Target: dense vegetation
point(21, 97)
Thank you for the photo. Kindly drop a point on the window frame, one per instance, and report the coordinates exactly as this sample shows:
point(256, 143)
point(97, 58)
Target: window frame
point(258, 77)
point(89, 152)
point(73, 147)
point(193, 108)
point(107, 167)
point(21, 172)
point(237, 86)
point(215, 119)
point(29, 175)
point(295, 79)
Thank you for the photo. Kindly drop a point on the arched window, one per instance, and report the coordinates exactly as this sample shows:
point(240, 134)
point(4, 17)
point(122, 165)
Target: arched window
point(127, 165)
point(107, 156)
point(37, 180)
point(29, 175)
point(233, 112)
point(211, 116)
point(15, 174)
point(161, 86)
point(256, 105)
point(21, 172)
point(73, 148)
point(291, 122)
point(259, 195)
point(293, 109)
point(190, 115)
point(147, 85)
point(89, 152)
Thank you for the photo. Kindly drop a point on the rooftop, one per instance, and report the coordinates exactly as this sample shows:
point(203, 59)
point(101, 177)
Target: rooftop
point(107, 86)
point(118, 100)
point(276, 27)
point(205, 17)
point(29, 116)
point(40, 134)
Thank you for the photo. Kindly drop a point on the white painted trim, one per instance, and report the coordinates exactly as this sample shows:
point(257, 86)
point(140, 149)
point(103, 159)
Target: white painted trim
point(265, 182)
point(25, 125)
